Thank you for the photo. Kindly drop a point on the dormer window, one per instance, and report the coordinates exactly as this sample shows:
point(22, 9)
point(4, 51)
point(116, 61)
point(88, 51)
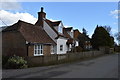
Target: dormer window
point(60, 28)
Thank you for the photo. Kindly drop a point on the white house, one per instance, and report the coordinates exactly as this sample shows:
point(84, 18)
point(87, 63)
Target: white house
point(63, 37)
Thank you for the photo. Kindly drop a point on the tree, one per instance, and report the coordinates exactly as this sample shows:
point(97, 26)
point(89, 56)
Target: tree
point(107, 28)
point(82, 40)
point(84, 31)
point(101, 38)
point(118, 37)
point(83, 37)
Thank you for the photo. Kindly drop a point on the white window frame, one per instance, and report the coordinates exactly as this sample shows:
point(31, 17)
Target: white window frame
point(38, 49)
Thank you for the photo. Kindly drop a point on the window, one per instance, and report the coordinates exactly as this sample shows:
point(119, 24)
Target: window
point(60, 29)
point(38, 49)
point(61, 47)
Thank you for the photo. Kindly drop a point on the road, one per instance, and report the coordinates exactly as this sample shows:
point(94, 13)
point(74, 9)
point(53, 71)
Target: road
point(102, 67)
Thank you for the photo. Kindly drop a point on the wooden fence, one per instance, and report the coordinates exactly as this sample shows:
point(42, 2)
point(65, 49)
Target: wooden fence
point(58, 58)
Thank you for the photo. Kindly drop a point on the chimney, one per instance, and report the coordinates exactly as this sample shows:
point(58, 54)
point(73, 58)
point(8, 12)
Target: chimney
point(41, 16)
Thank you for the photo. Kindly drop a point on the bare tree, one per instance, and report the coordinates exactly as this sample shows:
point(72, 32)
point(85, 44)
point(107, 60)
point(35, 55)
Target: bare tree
point(108, 29)
point(118, 37)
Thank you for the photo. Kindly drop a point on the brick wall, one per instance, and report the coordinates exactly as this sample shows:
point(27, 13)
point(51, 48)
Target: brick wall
point(13, 43)
point(31, 50)
point(46, 50)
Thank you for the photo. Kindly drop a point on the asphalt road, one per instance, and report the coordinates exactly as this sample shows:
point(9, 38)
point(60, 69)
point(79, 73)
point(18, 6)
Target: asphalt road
point(102, 67)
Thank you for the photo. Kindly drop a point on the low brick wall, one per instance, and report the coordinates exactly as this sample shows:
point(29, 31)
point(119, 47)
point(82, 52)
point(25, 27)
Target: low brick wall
point(58, 58)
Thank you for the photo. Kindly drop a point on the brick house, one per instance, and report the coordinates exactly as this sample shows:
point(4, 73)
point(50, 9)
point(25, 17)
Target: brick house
point(87, 43)
point(45, 37)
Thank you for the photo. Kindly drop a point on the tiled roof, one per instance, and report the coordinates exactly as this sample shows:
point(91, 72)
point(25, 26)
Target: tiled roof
point(68, 28)
point(12, 27)
point(31, 33)
point(76, 33)
point(55, 23)
point(65, 32)
point(70, 41)
point(49, 23)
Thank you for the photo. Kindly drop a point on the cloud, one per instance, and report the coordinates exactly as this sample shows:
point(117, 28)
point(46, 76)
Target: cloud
point(10, 18)
point(10, 5)
point(115, 13)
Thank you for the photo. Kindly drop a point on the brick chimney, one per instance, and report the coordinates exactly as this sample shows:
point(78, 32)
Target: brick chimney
point(41, 16)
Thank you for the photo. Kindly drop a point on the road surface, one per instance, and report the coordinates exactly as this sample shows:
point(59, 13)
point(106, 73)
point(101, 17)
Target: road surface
point(102, 67)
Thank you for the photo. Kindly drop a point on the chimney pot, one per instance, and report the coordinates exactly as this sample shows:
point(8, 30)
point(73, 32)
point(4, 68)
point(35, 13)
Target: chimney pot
point(42, 9)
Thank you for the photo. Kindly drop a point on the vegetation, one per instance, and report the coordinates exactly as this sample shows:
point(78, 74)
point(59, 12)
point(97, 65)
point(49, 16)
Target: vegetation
point(16, 62)
point(107, 28)
point(101, 37)
point(82, 38)
point(118, 37)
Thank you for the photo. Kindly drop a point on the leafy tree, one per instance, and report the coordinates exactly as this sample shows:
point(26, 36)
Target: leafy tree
point(101, 38)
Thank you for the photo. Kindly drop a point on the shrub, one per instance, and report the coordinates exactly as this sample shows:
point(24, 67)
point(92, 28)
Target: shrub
point(16, 62)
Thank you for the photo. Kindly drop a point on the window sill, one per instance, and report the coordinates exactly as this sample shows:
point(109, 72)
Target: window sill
point(38, 55)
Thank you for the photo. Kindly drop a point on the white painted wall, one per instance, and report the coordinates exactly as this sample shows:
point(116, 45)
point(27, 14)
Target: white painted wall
point(54, 49)
point(52, 35)
point(77, 43)
point(61, 41)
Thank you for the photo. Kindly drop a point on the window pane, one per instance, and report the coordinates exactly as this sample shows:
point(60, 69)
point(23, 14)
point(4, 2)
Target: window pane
point(41, 52)
point(41, 47)
point(35, 46)
point(38, 51)
point(35, 52)
point(61, 47)
point(38, 46)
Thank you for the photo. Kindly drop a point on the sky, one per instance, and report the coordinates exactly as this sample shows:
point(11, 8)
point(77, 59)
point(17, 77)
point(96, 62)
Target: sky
point(78, 15)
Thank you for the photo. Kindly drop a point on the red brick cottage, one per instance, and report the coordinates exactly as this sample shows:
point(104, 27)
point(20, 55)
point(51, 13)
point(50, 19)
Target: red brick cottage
point(45, 37)
point(25, 39)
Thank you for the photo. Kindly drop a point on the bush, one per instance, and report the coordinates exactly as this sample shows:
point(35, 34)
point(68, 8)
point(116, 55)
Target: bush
point(16, 62)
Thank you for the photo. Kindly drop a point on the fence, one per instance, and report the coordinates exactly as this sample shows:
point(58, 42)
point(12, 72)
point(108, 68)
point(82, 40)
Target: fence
point(58, 58)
